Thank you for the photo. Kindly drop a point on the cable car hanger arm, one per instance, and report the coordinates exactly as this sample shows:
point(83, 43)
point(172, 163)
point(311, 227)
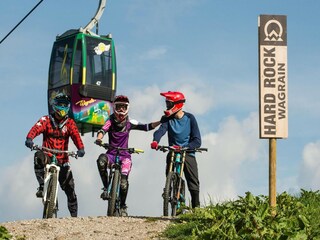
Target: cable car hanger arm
point(94, 21)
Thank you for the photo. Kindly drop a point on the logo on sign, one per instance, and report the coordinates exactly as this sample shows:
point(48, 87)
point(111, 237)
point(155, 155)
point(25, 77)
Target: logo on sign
point(273, 31)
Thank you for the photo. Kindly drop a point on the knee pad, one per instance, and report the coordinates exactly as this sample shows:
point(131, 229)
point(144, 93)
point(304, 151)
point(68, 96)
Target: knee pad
point(39, 160)
point(102, 162)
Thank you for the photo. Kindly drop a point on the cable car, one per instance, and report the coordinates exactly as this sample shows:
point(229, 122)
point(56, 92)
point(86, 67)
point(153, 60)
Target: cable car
point(83, 66)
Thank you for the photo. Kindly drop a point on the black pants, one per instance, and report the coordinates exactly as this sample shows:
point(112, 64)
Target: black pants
point(190, 171)
point(66, 180)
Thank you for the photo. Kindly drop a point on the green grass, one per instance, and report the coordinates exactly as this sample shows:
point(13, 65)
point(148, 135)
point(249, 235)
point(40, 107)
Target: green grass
point(4, 234)
point(249, 217)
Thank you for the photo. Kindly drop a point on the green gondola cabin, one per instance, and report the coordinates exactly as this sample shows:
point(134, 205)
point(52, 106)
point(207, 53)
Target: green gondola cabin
point(84, 67)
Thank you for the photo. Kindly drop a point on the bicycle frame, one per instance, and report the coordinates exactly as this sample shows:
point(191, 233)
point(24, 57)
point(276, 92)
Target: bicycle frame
point(174, 190)
point(114, 179)
point(114, 183)
point(50, 169)
point(112, 168)
point(177, 166)
point(174, 180)
point(51, 181)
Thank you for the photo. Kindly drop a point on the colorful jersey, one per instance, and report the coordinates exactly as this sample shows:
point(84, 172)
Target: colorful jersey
point(57, 137)
point(183, 132)
point(119, 134)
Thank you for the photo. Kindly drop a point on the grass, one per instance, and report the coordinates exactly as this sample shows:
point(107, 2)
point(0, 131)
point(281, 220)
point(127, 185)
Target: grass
point(4, 234)
point(249, 217)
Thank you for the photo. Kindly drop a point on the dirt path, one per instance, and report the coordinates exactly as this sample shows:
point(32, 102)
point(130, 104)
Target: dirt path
point(88, 228)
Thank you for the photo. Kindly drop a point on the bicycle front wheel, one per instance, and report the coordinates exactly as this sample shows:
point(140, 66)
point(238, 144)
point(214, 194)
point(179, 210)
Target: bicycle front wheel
point(168, 194)
point(114, 196)
point(49, 208)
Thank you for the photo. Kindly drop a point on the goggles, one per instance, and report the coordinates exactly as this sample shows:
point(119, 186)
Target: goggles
point(119, 106)
point(169, 104)
point(63, 105)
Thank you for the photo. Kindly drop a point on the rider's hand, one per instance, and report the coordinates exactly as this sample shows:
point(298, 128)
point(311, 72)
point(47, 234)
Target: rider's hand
point(154, 145)
point(29, 143)
point(98, 142)
point(176, 148)
point(80, 152)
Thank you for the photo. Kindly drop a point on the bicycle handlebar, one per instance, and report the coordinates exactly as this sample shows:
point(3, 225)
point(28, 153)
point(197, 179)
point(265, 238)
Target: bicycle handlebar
point(119, 149)
point(183, 149)
point(54, 151)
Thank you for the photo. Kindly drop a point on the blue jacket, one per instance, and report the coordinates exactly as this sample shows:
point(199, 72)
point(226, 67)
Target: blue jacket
point(183, 132)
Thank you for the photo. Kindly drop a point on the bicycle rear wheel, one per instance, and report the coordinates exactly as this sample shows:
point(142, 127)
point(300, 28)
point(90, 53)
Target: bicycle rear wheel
point(168, 194)
point(49, 208)
point(113, 210)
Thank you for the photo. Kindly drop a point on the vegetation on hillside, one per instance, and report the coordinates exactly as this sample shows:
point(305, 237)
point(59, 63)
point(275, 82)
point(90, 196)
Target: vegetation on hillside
point(4, 234)
point(249, 217)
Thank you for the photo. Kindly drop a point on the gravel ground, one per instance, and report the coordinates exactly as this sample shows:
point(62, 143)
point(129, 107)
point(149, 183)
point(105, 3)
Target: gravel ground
point(88, 228)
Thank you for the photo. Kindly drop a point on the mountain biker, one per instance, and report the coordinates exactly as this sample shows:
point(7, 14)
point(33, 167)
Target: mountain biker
point(56, 129)
point(118, 127)
point(183, 131)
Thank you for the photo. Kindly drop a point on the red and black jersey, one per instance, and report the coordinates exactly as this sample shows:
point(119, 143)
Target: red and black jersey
point(57, 137)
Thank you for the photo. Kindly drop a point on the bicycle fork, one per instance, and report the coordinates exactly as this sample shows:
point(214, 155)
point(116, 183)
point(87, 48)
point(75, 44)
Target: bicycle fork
point(177, 162)
point(180, 184)
point(110, 179)
point(50, 169)
point(114, 178)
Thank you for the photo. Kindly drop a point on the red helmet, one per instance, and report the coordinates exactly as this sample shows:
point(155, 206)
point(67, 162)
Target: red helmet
point(174, 101)
point(121, 107)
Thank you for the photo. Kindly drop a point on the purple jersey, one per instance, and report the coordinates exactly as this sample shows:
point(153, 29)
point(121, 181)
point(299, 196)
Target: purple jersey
point(119, 134)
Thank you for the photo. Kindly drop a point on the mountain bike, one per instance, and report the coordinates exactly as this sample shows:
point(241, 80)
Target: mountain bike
point(51, 180)
point(114, 178)
point(174, 190)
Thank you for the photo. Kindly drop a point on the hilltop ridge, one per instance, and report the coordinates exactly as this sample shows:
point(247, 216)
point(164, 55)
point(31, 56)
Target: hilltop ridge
point(93, 228)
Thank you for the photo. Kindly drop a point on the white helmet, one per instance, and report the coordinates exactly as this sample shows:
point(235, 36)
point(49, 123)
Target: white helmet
point(121, 107)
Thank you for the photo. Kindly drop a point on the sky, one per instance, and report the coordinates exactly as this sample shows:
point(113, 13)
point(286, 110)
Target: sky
point(207, 49)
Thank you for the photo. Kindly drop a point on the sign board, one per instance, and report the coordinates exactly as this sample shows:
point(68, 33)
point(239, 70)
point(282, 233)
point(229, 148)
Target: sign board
point(273, 77)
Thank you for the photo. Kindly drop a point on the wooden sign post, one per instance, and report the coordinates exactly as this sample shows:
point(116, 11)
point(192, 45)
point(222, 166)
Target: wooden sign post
point(273, 88)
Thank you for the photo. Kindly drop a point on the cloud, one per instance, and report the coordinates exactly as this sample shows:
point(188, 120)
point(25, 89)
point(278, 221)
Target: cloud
point(146, 105)
point(309, 176)
point(233, 145)
point(154, 53)
point(236, 156)
point(228, 148)
point(17, 191)
point(199, 96)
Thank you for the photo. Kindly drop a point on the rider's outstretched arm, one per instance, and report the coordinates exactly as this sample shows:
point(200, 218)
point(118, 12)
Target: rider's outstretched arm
point(135, 125)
